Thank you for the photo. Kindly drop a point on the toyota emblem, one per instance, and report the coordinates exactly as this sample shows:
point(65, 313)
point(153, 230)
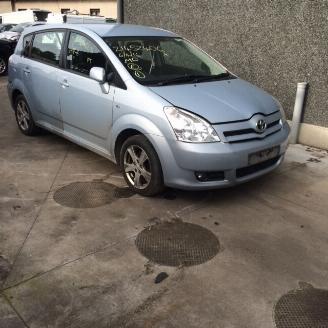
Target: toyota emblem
point(261, 125)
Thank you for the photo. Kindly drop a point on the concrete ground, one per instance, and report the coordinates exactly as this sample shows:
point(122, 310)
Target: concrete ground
point(80, 267)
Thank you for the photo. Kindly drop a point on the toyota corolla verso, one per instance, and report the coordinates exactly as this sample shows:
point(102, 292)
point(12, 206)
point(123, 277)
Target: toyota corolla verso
point(149, 100)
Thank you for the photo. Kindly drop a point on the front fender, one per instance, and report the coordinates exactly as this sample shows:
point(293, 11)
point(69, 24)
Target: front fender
point(135, 122)
point(159, 139)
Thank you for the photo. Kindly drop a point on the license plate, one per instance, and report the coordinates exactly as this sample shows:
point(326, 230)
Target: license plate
point(263, 155)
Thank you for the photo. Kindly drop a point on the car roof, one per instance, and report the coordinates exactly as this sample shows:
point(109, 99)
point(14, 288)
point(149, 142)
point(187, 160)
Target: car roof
point(110, 30)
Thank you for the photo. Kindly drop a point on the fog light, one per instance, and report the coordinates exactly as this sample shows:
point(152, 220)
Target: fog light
point(210, 176)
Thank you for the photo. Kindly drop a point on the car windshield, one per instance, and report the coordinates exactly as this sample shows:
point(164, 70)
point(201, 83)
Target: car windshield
point(164, 60)
point(20, 27)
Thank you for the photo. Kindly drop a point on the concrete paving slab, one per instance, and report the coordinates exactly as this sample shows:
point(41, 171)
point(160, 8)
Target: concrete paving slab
point(306, 185)
point(261, 260)
point(101, 290)
point(70, 233)
point(17, 216)
point(8, 317)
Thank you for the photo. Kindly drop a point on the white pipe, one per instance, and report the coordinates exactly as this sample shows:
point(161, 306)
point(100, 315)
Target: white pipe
point(298, 110)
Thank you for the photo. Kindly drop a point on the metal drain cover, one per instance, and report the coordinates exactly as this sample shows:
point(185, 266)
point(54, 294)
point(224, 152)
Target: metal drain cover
point(177, 243)
point(302, 308)
point(88, 194)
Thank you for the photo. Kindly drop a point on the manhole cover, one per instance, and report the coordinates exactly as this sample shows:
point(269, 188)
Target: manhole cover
point(177, 243)
point(89, 194)
point(303, 308)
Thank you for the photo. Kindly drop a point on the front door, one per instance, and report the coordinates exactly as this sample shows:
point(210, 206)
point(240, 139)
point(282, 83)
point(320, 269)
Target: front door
point(86, 107)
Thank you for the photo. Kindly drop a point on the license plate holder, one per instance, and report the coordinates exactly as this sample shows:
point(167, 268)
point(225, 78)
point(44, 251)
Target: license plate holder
point(263, 155)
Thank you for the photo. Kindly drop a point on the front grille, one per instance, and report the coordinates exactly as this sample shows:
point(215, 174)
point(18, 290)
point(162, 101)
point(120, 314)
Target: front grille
point(238, 132)
point(244, 130)
point(252, 139)
point(270, 125)
point(247, 131)
point(247, 170)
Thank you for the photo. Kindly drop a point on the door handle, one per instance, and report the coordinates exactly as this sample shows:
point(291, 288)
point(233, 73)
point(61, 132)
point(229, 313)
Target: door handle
point(65, 84)
point(26, 70)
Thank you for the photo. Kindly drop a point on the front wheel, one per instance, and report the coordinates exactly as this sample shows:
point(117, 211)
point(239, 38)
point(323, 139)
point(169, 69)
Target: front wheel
point(141, 166)
point(3, 66)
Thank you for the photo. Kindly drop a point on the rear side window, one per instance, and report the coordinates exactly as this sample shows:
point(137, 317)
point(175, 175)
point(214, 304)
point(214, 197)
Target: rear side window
point(47, 47)
point(27, 45)
point(83, 54)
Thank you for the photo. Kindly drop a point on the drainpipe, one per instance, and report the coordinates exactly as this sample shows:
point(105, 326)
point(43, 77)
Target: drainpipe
point(13, 5)
point(298, 112)
point(120, 11)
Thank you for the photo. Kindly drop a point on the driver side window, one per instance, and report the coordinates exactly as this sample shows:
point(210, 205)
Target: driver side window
point(83, 54)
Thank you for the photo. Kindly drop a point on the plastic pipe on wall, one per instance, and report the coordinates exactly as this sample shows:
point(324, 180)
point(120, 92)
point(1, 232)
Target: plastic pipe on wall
point(298, 111)
point(120, 11)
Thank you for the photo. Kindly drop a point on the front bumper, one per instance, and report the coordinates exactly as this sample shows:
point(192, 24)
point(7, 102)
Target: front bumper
point(181, 160)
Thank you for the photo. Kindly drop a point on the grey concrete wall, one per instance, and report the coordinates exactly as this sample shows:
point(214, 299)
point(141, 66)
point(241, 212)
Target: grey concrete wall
point(271, 43)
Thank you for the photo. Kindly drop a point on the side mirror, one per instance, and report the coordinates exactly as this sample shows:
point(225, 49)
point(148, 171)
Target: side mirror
point(110, 77)
point(98, 74)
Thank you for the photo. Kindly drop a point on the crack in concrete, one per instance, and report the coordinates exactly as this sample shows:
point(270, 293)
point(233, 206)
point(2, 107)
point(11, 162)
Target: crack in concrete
point(14, 309)
point(36, 218)
point(99, 250)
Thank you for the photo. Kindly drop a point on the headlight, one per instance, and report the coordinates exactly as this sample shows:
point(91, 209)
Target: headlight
point(189, 127)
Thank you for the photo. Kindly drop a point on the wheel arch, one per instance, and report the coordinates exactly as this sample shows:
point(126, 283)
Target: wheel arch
point(15, 94)
point(17, 88)
point(129, 125)
point(120, 139)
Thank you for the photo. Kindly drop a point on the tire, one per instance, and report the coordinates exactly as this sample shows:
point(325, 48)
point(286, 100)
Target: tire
point(141, 167)
point(24, 117)
point(3, 66)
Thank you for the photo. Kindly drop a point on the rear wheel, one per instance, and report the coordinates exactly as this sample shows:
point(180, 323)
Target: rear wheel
point(141, 166)
point(3, 66)
point(24, 117)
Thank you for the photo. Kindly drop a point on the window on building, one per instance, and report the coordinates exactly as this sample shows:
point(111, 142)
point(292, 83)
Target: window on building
point(94, 12)
point(83, 54)
point(47, 47)
point(65, 10)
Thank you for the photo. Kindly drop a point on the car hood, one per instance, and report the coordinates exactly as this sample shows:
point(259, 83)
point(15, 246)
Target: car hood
point(8, 35)
point(219, 101)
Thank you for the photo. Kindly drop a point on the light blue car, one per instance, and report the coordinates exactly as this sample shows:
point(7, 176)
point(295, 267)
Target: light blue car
point(148, 100)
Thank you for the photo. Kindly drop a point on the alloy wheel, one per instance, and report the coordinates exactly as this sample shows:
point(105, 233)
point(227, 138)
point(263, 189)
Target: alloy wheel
point(137, 167)
point(23, 115)
point(3, 66)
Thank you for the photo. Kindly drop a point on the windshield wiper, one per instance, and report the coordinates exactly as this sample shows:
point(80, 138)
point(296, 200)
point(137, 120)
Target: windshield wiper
point(216, 77)
point(194, 78)
point(184, 78)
